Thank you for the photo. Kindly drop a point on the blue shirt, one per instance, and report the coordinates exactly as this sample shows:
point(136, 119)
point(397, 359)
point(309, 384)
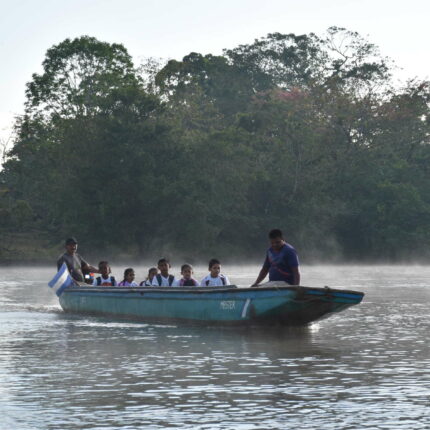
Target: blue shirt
point(280, 263)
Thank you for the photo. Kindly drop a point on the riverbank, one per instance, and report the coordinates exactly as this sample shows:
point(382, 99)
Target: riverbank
point(40, 249)
point(26, 248)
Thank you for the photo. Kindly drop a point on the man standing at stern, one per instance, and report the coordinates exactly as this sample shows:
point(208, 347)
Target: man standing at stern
point(282, 262)
point(74, 262)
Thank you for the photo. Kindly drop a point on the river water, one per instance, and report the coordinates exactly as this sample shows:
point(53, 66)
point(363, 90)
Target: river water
point(365, 368)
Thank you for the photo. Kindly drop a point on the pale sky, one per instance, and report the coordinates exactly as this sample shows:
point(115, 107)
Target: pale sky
point(174, 28)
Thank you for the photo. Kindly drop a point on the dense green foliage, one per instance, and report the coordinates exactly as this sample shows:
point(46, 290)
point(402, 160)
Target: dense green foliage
point(203, 156)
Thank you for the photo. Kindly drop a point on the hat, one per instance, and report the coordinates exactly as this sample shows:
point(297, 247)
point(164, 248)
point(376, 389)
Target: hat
point(71, 240)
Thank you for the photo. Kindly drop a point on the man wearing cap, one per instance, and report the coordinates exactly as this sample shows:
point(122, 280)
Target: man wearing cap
point(74, 262)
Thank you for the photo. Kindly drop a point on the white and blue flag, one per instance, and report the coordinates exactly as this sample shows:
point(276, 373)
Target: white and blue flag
point(61, 280)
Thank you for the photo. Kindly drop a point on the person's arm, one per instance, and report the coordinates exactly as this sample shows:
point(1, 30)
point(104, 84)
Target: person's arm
point(293, 262)
point(91, 269)
point(88, 267)
point(296, 275)
point(263, 273)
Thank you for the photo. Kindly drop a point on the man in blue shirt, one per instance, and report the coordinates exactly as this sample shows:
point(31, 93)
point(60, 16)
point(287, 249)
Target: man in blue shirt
point(281, 263)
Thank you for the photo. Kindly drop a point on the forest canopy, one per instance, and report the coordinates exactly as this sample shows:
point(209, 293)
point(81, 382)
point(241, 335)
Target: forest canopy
point(203, 156)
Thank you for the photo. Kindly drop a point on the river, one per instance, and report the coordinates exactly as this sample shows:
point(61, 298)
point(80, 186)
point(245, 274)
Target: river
point(365, 368)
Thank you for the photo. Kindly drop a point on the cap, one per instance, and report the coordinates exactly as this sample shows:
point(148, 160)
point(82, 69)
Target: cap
point(71, 240)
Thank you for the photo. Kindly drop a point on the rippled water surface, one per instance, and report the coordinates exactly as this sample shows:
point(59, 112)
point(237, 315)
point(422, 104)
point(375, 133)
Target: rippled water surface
point(365, 368)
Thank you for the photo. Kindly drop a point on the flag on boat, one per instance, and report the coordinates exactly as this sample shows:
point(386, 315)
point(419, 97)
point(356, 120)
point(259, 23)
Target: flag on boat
point(61, 280)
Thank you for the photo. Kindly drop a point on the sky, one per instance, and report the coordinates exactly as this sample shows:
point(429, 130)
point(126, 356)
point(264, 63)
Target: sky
point(173, 28)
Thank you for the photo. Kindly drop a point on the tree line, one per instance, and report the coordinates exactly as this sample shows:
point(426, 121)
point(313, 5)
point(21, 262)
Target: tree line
point(203, 156)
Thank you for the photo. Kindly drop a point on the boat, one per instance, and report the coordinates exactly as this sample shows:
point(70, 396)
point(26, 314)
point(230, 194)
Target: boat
point(273, 303)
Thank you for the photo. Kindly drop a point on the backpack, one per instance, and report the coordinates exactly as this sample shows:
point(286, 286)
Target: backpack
point(222, 280)
point(171, 278)
point(190, 283)
point(99, 280)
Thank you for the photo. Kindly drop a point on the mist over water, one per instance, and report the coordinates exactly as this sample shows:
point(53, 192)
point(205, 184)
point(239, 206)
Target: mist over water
point(365, 368)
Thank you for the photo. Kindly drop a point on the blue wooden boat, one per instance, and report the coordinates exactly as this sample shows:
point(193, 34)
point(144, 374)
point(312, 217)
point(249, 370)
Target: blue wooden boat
point(271, 304)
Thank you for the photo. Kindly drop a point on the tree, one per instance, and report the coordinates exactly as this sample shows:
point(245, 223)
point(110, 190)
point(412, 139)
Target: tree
point(81, 119)
point(203, 156)
point(80, 77)
point(212, 78)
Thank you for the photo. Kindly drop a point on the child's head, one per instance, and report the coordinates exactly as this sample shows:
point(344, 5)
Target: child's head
point(152, 272)
point(214, 267)
point(164, 266)
point(187, 271)
point(129, 275)
point(104, 268)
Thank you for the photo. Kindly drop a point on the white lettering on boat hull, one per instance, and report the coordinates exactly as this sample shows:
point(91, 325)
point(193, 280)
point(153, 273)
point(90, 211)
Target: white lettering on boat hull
point(227, 305)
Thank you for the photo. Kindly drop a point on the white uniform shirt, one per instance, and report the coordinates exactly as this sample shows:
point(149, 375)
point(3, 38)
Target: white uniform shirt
point(164, 281)
point(214, 282)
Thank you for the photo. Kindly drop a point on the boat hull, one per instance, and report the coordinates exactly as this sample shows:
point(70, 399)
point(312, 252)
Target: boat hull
point(268, 305)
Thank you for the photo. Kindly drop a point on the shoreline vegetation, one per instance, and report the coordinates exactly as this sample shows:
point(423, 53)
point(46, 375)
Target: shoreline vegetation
point(38, 250)
point(202, 157)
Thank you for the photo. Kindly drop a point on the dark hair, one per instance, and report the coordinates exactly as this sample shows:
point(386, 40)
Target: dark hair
point(163, 260)
point(127, 272)
point(70, 241)
point(212, 262)
point(275, 233)
point(151, 270)
point(103, 263)
point(186, 266)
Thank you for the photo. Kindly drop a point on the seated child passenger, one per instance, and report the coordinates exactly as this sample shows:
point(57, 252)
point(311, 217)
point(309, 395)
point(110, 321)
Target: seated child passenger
point(148, 281)
point(128, 280)
point(104, 279)
point(163, 279)
point(187, 277)
point(215, 278)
